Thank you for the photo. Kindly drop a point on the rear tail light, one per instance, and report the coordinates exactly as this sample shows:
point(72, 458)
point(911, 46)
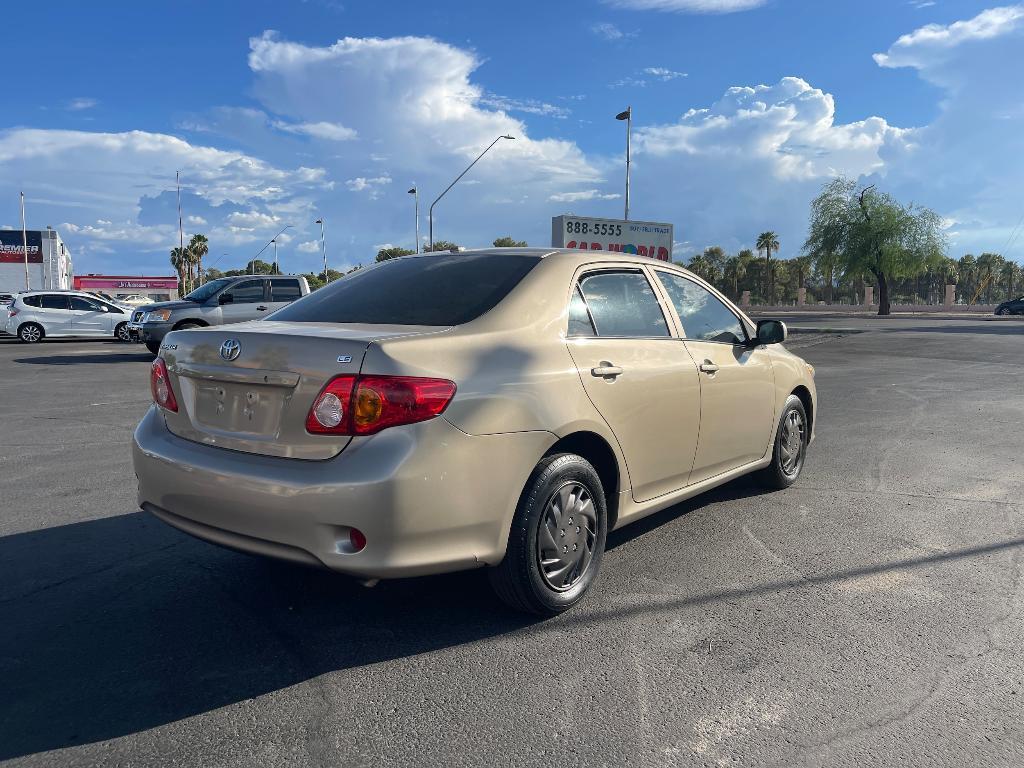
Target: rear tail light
point(364, 405)
point(12, 312)
point(160, 384)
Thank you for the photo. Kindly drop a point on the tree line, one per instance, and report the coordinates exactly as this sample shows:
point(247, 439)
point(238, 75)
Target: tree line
point(859, 237)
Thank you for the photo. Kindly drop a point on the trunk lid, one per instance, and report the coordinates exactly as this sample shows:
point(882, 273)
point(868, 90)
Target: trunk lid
point(254, 397)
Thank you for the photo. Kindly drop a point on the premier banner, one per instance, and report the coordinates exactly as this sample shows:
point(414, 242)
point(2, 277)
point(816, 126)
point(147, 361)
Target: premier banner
point(12, 247)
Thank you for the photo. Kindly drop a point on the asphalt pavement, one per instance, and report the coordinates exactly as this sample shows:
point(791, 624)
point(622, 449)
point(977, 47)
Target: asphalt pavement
point(870, 615)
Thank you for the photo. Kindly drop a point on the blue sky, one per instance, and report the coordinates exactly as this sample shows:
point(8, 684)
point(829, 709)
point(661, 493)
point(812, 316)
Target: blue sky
point(279, 112)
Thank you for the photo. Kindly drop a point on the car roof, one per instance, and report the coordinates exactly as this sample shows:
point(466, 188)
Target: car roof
point(569, 254)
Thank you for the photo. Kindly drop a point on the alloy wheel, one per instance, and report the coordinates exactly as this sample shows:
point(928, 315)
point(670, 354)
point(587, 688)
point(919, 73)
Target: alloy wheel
point(30, 333)
point(566, 536)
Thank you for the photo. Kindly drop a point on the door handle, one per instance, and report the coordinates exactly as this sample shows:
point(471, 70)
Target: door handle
point(606, 371)
point(261, 308)
point(709, 367)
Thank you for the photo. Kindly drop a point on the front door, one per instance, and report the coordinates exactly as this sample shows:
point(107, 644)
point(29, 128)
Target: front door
point(87, 317)
point(638, 375)
point(248, 302)
point(737, 390)
point(283, 291)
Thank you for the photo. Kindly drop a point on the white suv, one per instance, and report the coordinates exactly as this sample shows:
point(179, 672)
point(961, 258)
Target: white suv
point(35, 315)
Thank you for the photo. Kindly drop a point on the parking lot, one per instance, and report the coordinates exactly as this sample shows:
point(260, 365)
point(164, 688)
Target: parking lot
point(871, 614)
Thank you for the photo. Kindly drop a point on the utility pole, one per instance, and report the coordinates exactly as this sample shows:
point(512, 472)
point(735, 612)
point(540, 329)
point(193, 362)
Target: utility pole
point(628, 117)
point(24, 242)
point(323, 247)
point(416, 191)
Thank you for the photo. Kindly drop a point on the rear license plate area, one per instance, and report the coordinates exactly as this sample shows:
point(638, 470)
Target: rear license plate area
point(239, 408)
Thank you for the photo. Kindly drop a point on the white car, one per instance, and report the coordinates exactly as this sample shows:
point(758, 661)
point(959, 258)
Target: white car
point(135, 300)
point(36, 315)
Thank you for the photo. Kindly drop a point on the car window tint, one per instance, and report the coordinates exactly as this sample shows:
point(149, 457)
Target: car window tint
point(579, 318)
point(434, 289)
point(247, 292)
point(83, 304)
point(702, 314)
point(53, 301)
point(623, 304)
point(31, 301)
point(284, 290)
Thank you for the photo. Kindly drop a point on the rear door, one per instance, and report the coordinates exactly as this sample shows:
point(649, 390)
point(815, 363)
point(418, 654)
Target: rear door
point(248, 301)
point(737, 385)
point(55, 314)
point(283, 291)
point(638, 375)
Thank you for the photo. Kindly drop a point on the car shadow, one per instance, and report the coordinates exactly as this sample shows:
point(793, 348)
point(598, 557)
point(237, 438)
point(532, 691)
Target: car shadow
point(76, 359)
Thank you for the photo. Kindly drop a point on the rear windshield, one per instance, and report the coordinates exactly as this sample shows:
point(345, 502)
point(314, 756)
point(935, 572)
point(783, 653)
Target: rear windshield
point(414, 290)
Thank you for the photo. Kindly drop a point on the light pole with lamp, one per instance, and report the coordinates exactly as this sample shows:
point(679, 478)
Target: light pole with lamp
point(628, 117)
point(323, 248)
point(252, 264)
point(277, 269)
point(416, 191)
point(431, 212)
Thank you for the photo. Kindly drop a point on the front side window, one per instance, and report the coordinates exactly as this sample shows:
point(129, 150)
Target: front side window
point(284, 290)
point(623, 304)
point(247, 292)
point(703, 315)
point(206, 290)
point(53, 301)
point(82, 304)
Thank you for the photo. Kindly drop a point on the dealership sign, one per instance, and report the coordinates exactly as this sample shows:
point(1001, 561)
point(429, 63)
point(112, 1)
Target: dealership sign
point(643, 238)
point(12, 247)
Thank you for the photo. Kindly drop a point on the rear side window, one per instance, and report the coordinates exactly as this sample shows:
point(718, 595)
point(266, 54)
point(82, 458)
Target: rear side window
point(247, 292)
point(284, 290)
point(623, 304)
point(53, 301)
point(579, 317)
point(703, 315)
point(415, 290)
point(31, 301)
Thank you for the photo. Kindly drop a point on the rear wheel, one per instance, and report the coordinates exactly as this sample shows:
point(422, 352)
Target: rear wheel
point(557, 539)
point(153, 346)
point(1002, 311)
point(790, 446)
point(30, 333)
point(121, 332)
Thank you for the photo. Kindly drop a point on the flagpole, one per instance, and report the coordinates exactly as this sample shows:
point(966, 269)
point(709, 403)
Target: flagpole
point(24, 242)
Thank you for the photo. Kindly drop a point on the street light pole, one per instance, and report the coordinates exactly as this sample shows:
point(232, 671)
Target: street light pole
point(323, 247)
point(252, 264)
point(628, 117)
point(277, 270)
point(416, 191)
point(430, 215)
point(24, 242)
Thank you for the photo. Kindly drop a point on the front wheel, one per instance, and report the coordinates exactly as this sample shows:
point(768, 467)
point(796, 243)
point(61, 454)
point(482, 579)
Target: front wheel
point(121, 332)
point(1002, 311)
point(790, 446)
point(30, 333)
point(557, 539)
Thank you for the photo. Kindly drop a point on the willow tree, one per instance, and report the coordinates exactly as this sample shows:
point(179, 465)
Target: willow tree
point(870, 231)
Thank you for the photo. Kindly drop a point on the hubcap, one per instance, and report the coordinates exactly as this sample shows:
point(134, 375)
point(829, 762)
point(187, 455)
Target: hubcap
point(122, 333)
point(30, 334)
point(566, 536)
point(792, 443)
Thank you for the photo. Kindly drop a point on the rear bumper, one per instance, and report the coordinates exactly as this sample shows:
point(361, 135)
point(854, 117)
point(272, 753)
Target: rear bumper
point(428, 497)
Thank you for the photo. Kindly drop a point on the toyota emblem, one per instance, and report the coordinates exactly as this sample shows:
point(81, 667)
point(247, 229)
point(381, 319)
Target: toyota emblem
point(230, 349)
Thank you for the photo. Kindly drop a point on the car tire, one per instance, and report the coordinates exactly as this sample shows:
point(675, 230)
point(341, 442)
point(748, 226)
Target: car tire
point(121, 332)
point(790, 447)
point(533, 577)
point(153, 347)
point(1002, 311)
point(30, 333)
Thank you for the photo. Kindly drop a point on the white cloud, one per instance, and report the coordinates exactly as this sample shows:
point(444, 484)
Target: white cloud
point(81, 103)
point(196, 221)
point(607, 31)
point(587, 194)
point(251, 220)
point(361, 183)
point(529, 106)
point(933, 42)
point(310, 246)
point(688, 6)
point(664, 74)
point(124, 232)
point(318, 130)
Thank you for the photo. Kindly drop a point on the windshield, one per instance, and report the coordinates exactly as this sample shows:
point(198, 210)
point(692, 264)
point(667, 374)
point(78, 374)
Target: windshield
point(414, 290)
point(203, 292)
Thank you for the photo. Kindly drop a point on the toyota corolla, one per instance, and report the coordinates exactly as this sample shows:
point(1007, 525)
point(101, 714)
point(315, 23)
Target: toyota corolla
point(501, 409)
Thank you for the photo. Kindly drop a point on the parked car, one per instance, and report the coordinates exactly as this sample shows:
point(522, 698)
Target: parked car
point(37, 315)
point(135, 300)
point(218, 302)
point(6, 298)
point(502, 408)
point(1011, 307)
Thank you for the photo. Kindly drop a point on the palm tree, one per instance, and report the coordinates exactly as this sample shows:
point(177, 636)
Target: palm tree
point(802, 265)
point(967, 267)
point(768, 242)
point(702, 266)
point(1009, 273)
point(989, 264)
point(735, 270)
point(198, 247)
point(180, 260)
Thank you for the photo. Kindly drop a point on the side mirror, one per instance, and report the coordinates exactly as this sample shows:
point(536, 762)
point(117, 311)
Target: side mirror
point(225, 298)
point(771, 332)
